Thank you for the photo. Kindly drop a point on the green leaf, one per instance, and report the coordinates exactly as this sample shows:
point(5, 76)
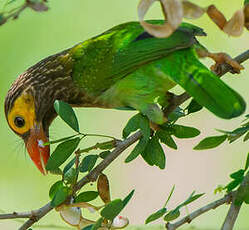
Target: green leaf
point(86, 196)
point(60, 196)
point(104, 154)
point(210, 142)
point(247, 162)
point(111, 210)
point(192, 198)
point(62, 152)
point(54, 188)
point(246, 2)
point(246, 138)
point(181, 131)
point(137, 122)
point(98, 223)
point(172, 215)
point(56, 171)
point(60, 140)
point(170, 194)
point(88, 227)
point(237, 133)
point(232, 185)
point(167, 127)
point(194, 106)
point(127, 198)
point(154, 154)
point(88, 163)
point(67, 114)
point(69, 165)
point(166, 139)
point(154, 216)
point(139, 148)
point(238, 174)
point(70, 176)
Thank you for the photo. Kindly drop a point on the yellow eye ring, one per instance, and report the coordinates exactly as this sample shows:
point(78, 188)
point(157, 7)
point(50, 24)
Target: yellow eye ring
point(21, 117)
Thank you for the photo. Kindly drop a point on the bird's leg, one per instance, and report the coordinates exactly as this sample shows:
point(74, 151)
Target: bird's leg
point(220, 59)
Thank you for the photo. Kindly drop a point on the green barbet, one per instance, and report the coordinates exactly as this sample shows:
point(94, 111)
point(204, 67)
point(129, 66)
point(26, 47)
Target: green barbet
point(123, 68)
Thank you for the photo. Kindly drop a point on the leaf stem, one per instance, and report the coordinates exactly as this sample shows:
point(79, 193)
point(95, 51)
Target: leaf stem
point(171, 192)
point(113, 143)
point(97, 135)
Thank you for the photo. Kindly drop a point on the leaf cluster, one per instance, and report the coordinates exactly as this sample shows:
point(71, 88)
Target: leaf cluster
point(150, 145)
point(62, 191)
point(149, 148)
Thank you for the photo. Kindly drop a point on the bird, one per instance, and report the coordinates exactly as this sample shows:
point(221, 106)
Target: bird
point(123, 68)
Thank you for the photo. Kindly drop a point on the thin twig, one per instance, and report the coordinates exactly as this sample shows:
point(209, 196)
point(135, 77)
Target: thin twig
point(121, 146)
point(237, 201)
point(112, 143)
point(198, 212)
point(18, 11)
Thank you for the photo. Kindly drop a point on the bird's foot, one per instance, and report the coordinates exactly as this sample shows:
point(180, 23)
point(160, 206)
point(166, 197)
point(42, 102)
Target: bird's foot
point(223, 58)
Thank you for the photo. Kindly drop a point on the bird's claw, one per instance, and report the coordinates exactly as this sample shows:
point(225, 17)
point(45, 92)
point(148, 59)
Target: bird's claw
point(223, 58)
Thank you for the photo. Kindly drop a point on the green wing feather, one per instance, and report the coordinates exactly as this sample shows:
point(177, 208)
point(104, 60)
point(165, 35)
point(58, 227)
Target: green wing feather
point(103, 60)
point(145, 48)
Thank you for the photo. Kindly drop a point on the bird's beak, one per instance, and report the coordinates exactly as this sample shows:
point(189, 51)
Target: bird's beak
point(38, 152)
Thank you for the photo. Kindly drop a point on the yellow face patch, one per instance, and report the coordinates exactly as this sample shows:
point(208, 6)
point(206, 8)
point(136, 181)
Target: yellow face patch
point(21, 118)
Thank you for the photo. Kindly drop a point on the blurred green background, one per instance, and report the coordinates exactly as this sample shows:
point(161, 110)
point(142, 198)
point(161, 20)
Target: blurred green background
point(36, 35)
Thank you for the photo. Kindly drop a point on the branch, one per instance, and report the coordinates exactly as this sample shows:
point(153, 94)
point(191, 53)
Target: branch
point(37, 215)
point(198, 212)
point(121, 147)
point(237, 201)
point(15, 215)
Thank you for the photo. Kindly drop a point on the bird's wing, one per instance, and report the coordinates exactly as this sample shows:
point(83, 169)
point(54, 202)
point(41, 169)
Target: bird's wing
point(107, 58)
point(143, 47)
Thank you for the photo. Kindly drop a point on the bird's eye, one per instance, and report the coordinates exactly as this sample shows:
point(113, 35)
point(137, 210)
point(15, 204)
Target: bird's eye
point(19, 122)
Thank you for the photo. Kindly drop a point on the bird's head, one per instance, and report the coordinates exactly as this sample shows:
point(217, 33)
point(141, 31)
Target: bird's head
point(23, 120)
point(29, 105)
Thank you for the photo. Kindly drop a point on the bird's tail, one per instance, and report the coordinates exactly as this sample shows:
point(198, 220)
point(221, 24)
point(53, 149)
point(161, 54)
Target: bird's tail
point(206, 88)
